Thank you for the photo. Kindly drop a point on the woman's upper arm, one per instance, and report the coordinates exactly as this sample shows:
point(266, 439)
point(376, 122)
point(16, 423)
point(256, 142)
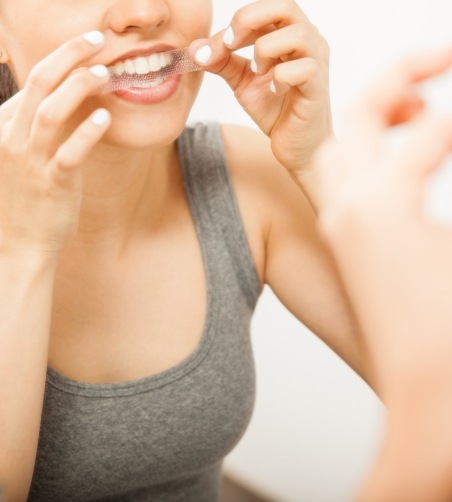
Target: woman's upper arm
point(302, 274)
point(293, 259)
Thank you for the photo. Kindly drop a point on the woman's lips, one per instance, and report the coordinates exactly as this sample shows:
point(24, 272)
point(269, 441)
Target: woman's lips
point(151, 71)
point(151, 95)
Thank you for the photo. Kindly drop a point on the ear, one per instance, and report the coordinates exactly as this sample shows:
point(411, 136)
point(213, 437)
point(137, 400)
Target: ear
point(3, 56)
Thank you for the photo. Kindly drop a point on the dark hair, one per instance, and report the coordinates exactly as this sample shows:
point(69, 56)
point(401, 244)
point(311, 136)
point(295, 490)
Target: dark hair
point(8, 86)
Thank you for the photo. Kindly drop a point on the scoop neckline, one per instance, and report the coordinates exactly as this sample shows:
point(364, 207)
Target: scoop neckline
point(179, 370)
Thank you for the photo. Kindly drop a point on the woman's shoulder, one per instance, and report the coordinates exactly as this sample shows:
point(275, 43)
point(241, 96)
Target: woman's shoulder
point(247, 146)
point(266, 194)
point(257, 174)
point(251, 162)
point(250, 159)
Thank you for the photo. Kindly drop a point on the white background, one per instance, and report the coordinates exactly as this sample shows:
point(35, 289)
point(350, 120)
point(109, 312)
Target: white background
point(317, 426)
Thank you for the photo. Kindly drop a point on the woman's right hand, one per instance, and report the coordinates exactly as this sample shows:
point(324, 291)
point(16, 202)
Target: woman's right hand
point(396, 265)
point(394, 259)
point(40, 178)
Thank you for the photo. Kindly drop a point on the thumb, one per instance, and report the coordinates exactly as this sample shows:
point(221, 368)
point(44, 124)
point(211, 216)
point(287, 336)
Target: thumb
point(213, 56)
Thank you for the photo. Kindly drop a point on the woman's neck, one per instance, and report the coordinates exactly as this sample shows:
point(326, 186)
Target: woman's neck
point(125, 194)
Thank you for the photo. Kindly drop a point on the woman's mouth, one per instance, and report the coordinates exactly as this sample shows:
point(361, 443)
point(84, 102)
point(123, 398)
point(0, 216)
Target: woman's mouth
point(149, 72)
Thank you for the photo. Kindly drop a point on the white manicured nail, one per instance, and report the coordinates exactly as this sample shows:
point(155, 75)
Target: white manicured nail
point(228, 36)
point(203, 54)
point(99, 71)
point(253, 66)
point(94, 37)
point(100, 117)
point(272, 87)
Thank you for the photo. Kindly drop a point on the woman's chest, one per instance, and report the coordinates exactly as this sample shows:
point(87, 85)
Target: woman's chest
point(130, 320)
point(183, 331)
point(162, 434)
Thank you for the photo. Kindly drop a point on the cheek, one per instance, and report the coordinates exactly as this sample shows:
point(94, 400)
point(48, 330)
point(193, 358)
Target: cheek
point(22, 63)
point(26, 53)
point(197, 18)
point(19, 40)
point(30, 41)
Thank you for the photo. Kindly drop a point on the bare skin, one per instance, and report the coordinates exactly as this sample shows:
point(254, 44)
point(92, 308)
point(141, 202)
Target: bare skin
point(372, 195)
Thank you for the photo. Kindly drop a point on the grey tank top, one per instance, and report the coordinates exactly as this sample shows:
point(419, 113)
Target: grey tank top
point(163, 437)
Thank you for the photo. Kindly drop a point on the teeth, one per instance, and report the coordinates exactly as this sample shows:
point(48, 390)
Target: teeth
point(129, 66)
point(152, 83)
point(154, 62)
point(142, 65)
point(119, 68)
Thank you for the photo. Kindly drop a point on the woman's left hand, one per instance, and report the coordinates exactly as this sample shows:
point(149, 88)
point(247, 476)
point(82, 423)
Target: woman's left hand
point(285, 89)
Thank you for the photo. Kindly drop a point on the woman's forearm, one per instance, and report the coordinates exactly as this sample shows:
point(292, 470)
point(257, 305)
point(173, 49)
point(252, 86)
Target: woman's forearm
point(26, 289)
point(398, 282)
point(415, 462)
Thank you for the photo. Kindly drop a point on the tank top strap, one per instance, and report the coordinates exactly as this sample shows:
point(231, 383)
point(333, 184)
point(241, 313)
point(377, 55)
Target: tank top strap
point(214, 207)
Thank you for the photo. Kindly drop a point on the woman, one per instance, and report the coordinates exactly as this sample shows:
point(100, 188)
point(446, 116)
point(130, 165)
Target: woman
point(128, 267)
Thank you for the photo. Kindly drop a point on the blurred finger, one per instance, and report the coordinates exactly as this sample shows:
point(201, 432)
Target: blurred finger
point(428, 144)
point(385, 100)
point(392, 99)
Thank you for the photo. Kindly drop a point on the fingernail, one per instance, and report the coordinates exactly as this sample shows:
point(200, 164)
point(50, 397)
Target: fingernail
point(272, 87)
point(203, 54)
point(228, 36)
point(100, 117)
point(94, 37)
point(99, 71)
point(253, 66)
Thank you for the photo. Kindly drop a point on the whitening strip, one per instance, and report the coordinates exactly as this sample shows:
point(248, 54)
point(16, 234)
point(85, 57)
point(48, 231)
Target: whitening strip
point(176, 62)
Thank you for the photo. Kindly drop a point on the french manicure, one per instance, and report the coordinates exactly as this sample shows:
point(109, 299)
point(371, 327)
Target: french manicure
point(100, 117)
point(203, 54)
point(99, 71)
point(94, 37)
point(253, 66)
point(228, 36)
point(272, 87)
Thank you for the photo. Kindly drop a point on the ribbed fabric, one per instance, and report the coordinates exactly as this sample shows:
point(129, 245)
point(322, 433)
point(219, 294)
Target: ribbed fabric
point(163, 437)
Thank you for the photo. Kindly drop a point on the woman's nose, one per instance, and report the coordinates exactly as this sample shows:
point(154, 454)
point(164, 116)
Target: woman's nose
point(146, 15)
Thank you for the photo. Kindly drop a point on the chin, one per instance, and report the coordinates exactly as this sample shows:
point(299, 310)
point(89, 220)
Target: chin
point(145, 134)
point(137, 127)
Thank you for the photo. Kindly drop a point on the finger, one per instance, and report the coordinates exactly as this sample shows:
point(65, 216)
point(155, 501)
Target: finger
point(292, 42)
point(392, 99)
point(366, 129)
point(77, 147)
point(303, 74)
point(429, 142)
point(7, 112)
point(213, 56)
point(54, 112)
point(48, 74)
point(385, 100)
point(261, 17)
point(8, 108)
